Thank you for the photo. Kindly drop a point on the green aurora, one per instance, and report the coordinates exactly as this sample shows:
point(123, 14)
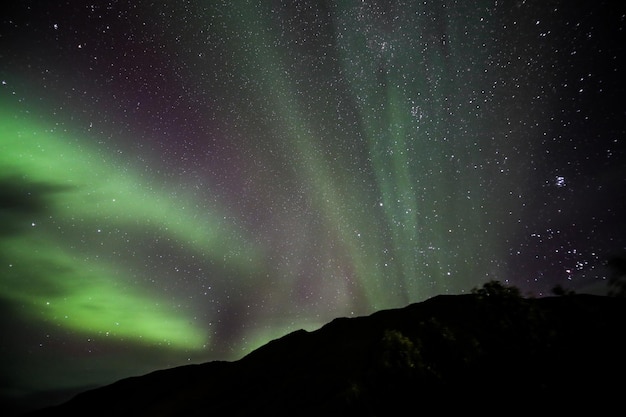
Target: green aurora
point(63, 280)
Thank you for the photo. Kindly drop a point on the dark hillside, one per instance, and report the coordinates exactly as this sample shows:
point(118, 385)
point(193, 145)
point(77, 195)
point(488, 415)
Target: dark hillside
point(480, 350)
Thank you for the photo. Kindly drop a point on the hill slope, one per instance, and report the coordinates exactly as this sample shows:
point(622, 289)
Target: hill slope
point(477, 350)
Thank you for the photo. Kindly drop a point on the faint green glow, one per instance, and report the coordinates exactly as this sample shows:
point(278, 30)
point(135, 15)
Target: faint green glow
point(416, 114)
point(275, 329)
point(363, 278)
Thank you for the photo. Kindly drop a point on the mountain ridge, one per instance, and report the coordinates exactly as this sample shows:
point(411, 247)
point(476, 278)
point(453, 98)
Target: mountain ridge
point(497, 346)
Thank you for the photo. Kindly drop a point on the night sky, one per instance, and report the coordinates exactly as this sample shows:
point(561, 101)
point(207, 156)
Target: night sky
point(184, 181)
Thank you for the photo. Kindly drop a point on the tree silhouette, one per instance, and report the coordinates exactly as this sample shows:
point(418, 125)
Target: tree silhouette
point(495, 289)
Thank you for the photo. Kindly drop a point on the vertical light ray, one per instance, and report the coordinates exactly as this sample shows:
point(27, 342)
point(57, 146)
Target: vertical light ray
point(406, 79)
point(336, 207)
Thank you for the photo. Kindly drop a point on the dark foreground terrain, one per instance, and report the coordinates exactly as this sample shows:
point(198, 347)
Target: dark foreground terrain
point(491, 350)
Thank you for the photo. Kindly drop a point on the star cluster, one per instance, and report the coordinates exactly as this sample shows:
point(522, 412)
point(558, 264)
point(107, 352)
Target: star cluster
point(184, 181)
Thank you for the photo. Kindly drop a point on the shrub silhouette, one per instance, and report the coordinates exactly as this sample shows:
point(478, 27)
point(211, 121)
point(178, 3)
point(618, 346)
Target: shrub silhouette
point(398, 352)
point(617, 277)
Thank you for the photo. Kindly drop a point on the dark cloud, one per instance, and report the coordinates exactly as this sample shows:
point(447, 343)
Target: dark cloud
point(22, 200)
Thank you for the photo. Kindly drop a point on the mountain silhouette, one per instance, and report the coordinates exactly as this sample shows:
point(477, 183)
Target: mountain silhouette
point(490, 350)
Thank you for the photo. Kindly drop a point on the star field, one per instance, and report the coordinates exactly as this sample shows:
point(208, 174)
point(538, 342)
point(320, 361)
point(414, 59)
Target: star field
point(184, 181)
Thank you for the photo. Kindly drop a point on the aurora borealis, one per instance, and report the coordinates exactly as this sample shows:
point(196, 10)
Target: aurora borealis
point(184, 181)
